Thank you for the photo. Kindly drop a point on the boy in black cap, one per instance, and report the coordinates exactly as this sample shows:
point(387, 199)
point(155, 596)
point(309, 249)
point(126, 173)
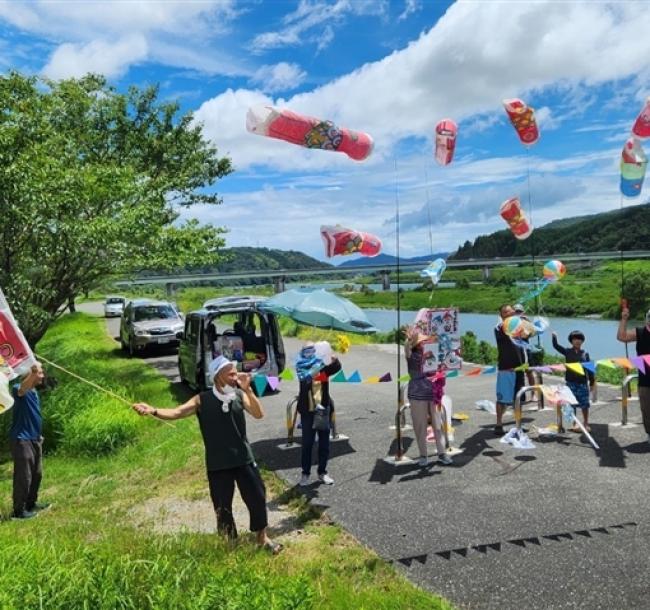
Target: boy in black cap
point(577, 383)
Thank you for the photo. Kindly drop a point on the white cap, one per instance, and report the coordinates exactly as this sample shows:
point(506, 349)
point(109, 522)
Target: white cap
point(217, 364)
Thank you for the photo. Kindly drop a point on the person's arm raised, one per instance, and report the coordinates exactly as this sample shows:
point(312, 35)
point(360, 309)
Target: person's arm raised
point(252, 403)
point(623, 334)
point(185, 410)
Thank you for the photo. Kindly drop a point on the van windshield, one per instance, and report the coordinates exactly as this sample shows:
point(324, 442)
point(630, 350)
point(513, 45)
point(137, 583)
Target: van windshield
point(114, 301)
point(154, 312)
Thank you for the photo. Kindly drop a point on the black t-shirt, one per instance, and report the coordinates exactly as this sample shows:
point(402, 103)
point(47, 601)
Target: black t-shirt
point(643, 349)
point(510, 355)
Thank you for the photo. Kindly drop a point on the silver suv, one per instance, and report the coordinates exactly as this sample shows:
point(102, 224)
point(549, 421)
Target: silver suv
point(146, 323)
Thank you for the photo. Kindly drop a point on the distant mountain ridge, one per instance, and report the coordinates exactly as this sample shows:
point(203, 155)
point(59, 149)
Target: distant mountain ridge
point(389, 259)
point(626, 229)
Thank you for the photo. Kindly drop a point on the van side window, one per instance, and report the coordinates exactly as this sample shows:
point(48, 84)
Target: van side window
point(192, 328)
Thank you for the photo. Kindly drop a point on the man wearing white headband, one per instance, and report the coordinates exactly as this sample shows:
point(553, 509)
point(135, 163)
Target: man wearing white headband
point(641, 334)
point(228, 454)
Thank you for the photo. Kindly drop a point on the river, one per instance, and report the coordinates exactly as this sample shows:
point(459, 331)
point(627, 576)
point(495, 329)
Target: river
point(600, 334)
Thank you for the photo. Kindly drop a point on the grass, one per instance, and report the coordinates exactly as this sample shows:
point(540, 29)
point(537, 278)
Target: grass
point(91, 551)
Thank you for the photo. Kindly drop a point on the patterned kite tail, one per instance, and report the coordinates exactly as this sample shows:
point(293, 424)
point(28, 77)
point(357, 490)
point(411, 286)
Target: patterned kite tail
point(542, 284)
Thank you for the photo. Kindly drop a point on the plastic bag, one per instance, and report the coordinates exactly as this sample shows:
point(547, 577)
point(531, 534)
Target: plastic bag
point(321, 418)
point(487, 405)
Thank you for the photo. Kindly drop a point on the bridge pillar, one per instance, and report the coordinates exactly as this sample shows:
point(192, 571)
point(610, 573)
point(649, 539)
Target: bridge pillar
point(279, 284)
point(385, 280)
point(170, 289)
point(486, 273)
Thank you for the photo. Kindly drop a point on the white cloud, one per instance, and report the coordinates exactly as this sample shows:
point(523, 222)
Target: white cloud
point(314, 22)
point(108, 58)
point(410, 6)
point(279, 77)
point(460, 68)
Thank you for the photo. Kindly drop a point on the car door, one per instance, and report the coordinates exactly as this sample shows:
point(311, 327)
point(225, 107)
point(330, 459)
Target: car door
point(189, 350)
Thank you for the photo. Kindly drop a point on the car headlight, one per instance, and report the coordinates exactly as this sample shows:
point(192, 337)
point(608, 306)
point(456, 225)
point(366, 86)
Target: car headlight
point(140, 332)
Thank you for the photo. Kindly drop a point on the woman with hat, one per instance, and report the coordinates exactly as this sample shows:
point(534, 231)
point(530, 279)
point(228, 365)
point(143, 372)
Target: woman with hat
point(578, 384)
point(425, 390)
point(228, 454)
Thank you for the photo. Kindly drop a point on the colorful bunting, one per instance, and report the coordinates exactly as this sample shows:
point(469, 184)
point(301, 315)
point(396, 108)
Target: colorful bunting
point(355, 377)
point(386, 377)
point(623, 363)
point(260, 384)
point(647, 361)
point(339, 377)
point(287, 375)
point(589, 366)
point(274, 382)
point(474, 372)
point(404, 378)
point(638, 363)
point(373, 379)
point(606, 362)
point(576, 367)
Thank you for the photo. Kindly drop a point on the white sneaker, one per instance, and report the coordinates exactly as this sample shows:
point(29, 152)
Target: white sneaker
point(304, 480)
point(423, 461)
point(326, 479)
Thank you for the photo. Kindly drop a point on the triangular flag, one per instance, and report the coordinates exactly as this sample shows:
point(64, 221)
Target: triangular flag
point(339, 377)
point(386, 377)
point(558, 367)
point(489, 370)
point(287, 375)
point(405, 377)
point(623, 363)
point(452, 373)
point(606, 362)
point(589, 366)
point(542, 369)
point(473, 372)
point(647, 360)
point(373, 379)
point(260, 384)
point(522, 367)
point(355, 377)
point(638, 363)
point(320, 377)
point(576, 367)
point(273, 382)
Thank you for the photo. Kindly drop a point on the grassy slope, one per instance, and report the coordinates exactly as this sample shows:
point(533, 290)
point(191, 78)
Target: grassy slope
point(89, 552)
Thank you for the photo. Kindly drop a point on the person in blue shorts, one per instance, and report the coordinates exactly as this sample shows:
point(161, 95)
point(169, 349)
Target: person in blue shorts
point(510, 357)
point(578, 384)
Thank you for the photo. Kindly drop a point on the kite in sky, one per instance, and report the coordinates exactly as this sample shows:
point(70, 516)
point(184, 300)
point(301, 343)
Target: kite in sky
point(446, 132)
point(513, 214)
point(523, 120)
point(633, 167)
point(341, 241)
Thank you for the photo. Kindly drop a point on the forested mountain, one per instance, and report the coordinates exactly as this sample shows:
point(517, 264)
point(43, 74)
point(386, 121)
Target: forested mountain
point(245, 259)
point(389, 259)
point(626, 229)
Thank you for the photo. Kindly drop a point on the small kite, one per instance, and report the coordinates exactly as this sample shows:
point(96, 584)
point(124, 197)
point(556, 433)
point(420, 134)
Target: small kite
point(641, 127)
point(519, 328)
point(14, 349)
point(552, 272)
point(633, 167)
point(446, 132)
point(434, 271)
point(341, 241)
point(523, 120)
point(307, 131)
point(512, 213)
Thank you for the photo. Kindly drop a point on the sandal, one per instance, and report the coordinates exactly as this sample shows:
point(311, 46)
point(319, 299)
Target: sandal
point(272, 547)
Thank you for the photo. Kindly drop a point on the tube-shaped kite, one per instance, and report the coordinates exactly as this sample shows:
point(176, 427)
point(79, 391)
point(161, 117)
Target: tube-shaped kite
point(339, 240)
point(307, 131)
point(435, 270)
point(641, 127)
point(14, 349)
point(513, 214)
point(633, 167)
point(523, 120)
point(553, 271)
point(446, 132)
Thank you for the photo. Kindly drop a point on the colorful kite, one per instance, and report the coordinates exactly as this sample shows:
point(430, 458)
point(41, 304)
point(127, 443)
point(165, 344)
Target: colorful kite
point(553, 272)
point(522, 118)
point(6, 398)
point(446, 132)
point(641, 128)
point(14, 349)
point(633, 166)
point(512, 213)
point(518, 327)
point(341, 241)
point(434, 271)
point(307, 131)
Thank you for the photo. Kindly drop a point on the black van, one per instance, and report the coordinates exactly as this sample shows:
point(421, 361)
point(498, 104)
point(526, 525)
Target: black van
point(234, 327)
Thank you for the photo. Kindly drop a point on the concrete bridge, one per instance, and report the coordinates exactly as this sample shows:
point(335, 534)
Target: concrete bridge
point(279, 276)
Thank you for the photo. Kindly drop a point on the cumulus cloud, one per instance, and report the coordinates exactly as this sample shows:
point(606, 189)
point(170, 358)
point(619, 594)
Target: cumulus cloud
point(108, 58)
point(410, 6)
point(279, 77)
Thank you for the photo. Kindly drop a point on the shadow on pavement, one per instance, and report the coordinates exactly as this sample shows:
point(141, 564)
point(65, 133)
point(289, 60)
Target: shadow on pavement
point(267, 452)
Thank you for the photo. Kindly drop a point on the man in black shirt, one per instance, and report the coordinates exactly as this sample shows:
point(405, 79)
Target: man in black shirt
point(510, 357)
point(641, 335)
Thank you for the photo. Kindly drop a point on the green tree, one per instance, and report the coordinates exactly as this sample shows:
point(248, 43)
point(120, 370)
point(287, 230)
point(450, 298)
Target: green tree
point(91, 185)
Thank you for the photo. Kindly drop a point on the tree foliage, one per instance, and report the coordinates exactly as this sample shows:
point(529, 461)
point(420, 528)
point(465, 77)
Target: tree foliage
point(91, 185)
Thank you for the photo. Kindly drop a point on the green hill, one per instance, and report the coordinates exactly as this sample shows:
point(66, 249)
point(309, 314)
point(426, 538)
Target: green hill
point(245, 259)
point(627, 229)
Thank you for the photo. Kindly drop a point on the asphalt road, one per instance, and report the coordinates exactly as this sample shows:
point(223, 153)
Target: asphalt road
point(559, 526)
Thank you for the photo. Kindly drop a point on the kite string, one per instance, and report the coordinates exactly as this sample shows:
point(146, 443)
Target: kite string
point(92, 384)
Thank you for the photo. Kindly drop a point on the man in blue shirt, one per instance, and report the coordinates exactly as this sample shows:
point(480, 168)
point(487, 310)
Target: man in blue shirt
point(27, 444)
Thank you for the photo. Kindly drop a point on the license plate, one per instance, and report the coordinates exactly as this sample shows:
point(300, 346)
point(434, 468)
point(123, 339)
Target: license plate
point(164, 340)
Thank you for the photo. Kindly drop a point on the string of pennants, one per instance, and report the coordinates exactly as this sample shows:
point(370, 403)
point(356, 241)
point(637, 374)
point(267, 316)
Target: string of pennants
point(261, 382)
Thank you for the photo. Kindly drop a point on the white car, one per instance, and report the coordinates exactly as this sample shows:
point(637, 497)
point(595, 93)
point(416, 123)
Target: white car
point(114, 306)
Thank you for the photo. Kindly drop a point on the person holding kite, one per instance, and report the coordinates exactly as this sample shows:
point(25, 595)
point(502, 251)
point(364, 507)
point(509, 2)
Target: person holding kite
point(228, 454)
point(315, 406)
point(425, 396)
point(26, 440)
point(577, 382)
point(510, 357)
point(641, 335)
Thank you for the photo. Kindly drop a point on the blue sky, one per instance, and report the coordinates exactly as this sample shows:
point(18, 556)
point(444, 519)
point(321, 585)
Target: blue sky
point(391, 68)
